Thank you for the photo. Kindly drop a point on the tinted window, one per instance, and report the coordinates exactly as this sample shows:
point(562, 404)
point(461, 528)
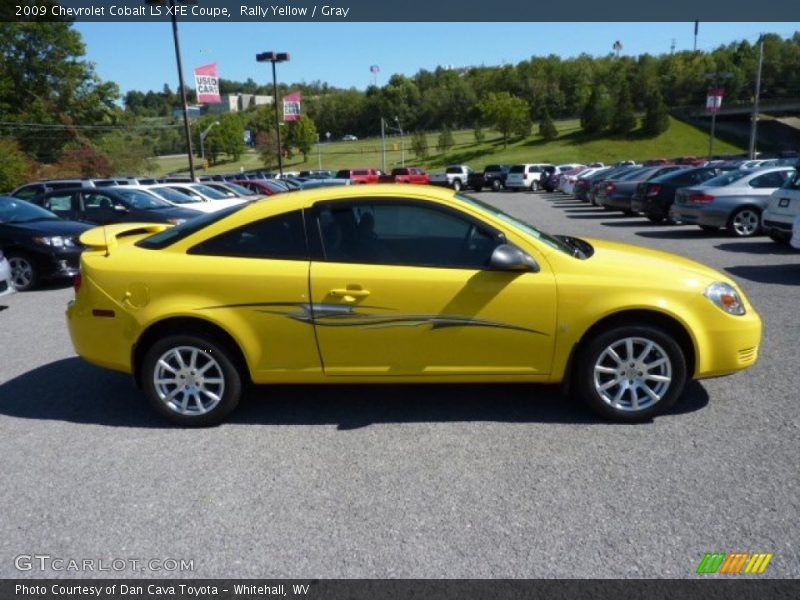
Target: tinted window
point(280, 237)
point(403, 234)
point(534, 169)
point(770, 180)
point(517, 169)
point(14, 210)
point(141, 200)
point(94, 201)
point(29, 192)
point(58, 202)
point(174, 234)
point(726, 178)
point(453, 170)
point(173, 196)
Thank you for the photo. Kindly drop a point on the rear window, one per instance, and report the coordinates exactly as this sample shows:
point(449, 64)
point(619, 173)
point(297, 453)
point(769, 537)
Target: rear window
point(517, 169)
point(453, 170)
point(343, 174)
point(175, 234)
point(361, 172)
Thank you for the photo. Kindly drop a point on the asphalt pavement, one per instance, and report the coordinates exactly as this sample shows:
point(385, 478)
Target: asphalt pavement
point(484, 481)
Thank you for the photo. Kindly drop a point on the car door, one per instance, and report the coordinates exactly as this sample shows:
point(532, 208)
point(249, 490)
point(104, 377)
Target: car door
point(402, 288)
point(98, 207)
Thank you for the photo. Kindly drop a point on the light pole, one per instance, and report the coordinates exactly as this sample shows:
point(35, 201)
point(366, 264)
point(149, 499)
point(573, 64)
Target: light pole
point(185, 103)
point(402, 145)
point(203, 137)
point(275, 57)
point(754, 117)
point(715, 77)
point(319, 154)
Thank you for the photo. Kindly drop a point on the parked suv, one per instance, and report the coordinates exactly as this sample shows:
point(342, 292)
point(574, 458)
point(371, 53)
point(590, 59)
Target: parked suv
point(493, 176)
point(454, 176)
point(782, 210)
point(526, 177)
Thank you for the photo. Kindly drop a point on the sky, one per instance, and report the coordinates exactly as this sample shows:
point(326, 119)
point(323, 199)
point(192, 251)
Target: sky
point(141, 56)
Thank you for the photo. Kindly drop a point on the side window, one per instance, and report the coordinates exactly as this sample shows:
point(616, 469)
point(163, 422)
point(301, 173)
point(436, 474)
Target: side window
point(396, 233)
point(95, 201)
point(59, 203)
point(281, 237)
point(769, 180)
point(700, 176)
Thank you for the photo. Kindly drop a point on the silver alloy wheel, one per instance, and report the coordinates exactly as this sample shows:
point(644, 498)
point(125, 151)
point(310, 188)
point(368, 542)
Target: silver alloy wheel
point(21, 271)
point(745, 222)
point(189, 380)
point(632, 374)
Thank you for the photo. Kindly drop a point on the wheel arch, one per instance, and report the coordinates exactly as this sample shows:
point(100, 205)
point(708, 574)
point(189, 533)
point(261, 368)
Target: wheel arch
point(186, 325)
point(636, 317)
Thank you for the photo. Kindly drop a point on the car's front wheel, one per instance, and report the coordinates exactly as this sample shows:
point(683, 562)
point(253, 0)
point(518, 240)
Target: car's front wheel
point(496, 185)
point(630, 373)
point(457, 185)
point(191, 380)
point(24, 271)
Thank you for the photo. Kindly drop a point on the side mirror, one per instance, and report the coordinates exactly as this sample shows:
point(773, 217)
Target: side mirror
point(120, 209)
point(507, 257)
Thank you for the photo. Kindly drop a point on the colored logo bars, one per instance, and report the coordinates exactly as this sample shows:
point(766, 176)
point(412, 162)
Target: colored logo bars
point(735, 563)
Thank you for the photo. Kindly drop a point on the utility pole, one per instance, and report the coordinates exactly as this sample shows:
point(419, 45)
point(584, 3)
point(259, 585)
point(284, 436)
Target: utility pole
point(383, 142)
point(754, 117)
point(696, 27)
point(186, 129)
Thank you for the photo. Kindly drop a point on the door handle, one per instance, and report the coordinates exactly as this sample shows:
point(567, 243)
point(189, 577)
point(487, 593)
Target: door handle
point(349, 294)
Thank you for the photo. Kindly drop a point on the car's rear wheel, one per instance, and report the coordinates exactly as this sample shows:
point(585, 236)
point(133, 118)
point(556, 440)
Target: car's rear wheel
point(630, 373)
point(457, 185)
point(192, 380)
point(24, 272)
point(745, 222)
point(534, 186)
point(496, 185)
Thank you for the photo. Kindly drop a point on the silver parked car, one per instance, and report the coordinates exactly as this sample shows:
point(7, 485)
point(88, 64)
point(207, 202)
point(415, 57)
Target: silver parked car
point(6, 284)
point(733, 200)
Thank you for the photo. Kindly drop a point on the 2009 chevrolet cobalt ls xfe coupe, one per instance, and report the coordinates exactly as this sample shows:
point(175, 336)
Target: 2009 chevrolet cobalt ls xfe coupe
point(397, 284)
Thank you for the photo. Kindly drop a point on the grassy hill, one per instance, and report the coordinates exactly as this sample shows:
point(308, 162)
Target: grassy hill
point(681, 139)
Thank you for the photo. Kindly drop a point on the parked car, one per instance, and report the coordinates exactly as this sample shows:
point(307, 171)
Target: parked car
point(617, 192)
point(103, 206)
point(550, 183)
point(349, 138)
point(266, 187)
point(734, 200)
point(406, 175)
point(6, 283)
point(525, 177)
point(329, 182)
point(570, 180)
point(454, 176)
point(181, 200)
point(493, 177)
point(584, 183)
point(206, 193)
point(598, 182)
point(233, 190)
point(38, 244)
point(363, 175)
point(654, 198)
point(318, 174)
point(37, 188)
point(381, 288)
point(782, 209)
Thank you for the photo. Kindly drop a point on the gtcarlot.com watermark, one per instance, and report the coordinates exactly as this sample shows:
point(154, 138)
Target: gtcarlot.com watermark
point(59, 564)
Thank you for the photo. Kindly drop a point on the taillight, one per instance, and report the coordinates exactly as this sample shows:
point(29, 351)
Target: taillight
point(701, 198)
point(653, 190)
point(77, 282)
point(611, 188)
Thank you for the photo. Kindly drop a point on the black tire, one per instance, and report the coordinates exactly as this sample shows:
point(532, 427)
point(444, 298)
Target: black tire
point(24, 271)
point(745, 222)
point(457, 185)
point(534, 186)
point(496, 185)
point(477, 188)
point(779, 238)
point(593, 354)
point(224, 368)
point(709, 228)
point(655, 219)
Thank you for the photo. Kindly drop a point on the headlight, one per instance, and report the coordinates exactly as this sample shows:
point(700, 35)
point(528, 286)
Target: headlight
point(177, 221)
point(55, 241)
point(724, 296)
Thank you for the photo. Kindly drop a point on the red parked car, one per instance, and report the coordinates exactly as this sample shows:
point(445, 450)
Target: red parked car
point(360, 175)
point(262, 186)
point(406, 175)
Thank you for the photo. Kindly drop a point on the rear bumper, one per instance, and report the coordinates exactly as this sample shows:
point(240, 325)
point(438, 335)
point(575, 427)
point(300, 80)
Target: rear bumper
point(695, 216)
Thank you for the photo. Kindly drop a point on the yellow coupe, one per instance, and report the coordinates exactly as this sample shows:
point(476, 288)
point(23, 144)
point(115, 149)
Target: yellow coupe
point(397, 284)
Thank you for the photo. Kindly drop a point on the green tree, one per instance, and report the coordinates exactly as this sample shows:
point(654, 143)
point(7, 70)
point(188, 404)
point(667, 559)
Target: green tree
point(479, 133)
point(509, 114)
point(15, 168)
point(445, 141)
point(267, 148)
point(656, 118)
point(303, 135)
point(128, 153)
point(547, 129)
point(596, 114)
point(225, 138)
point(419, 145)
point(623, 119)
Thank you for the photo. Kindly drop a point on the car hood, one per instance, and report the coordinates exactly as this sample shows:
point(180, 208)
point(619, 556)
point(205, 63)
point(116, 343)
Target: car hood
point(50, 228)
point(629, 261)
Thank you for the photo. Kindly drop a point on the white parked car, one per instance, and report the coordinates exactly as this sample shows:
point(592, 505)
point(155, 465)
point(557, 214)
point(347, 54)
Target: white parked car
point(568, 183)
point(6, 285)
point(203, 193)
point(454, 176)
point(176, 198)
point(526, 176)
point(782, 211)
point(795, 241)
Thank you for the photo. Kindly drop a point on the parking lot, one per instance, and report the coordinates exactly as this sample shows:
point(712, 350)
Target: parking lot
point(484, 481)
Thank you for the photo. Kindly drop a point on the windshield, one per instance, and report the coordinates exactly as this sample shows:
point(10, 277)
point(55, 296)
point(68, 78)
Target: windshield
point(240, 189)
point(13, 210)
point(548, 239)
point(172, 195)
point(726, 178)
point(141, 200)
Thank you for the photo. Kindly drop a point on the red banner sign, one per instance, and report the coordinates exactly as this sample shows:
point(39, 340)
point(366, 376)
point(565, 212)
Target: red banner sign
point(291, 106)
point(206, 81)
point(714, 99)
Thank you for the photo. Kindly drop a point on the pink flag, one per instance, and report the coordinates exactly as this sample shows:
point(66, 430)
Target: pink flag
point(291, 106)
point(206, 81)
